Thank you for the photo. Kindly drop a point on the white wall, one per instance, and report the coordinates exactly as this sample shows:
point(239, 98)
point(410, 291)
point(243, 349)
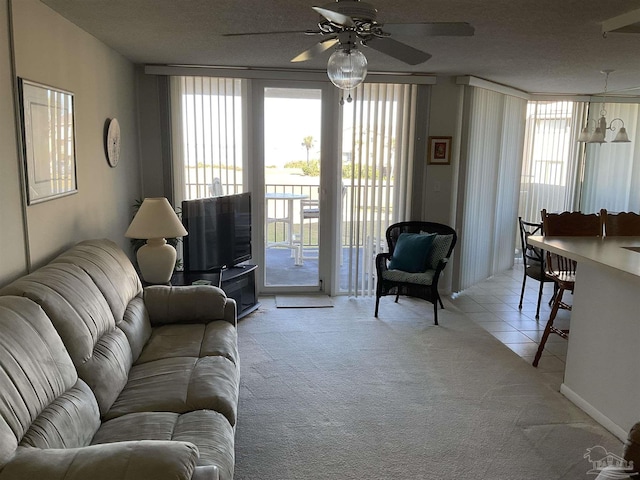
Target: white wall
point(51, 50)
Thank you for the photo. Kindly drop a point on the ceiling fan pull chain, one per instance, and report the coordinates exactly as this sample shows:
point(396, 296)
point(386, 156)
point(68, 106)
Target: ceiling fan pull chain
point(349, 99)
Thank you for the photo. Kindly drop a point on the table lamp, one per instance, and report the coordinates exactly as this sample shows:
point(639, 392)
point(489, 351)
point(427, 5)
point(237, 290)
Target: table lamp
point(155, 221)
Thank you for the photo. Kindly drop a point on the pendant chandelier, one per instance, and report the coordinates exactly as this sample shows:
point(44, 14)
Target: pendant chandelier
point(601, 125)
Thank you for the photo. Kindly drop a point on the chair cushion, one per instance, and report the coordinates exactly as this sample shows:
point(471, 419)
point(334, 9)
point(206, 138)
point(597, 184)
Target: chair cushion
point(411, 252)
point(421, 278)
point(439, 249)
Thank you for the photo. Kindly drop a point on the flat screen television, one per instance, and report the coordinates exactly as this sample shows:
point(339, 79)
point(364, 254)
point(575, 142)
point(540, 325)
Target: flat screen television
point(219, 232)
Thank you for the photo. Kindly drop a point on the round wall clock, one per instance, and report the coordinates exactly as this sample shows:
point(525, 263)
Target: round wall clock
point(113, 142)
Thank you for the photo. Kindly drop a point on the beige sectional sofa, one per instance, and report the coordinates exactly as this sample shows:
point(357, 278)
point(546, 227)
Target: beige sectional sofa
point(100, 378)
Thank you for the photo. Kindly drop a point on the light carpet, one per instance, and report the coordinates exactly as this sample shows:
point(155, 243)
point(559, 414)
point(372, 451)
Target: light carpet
point(338, 394)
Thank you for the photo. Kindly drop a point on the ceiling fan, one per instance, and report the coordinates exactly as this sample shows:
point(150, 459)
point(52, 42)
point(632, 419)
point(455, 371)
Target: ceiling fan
point(349, 23)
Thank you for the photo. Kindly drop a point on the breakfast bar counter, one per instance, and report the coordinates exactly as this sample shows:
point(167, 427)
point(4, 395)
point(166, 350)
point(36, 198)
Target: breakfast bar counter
point(602, 373)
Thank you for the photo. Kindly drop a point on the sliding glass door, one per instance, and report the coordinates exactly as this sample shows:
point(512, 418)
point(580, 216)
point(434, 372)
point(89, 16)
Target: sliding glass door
point(293, 208)
point(292, 153)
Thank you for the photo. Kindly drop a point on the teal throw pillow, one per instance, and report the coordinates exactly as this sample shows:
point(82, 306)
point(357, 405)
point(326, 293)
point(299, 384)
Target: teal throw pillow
point(411, 252)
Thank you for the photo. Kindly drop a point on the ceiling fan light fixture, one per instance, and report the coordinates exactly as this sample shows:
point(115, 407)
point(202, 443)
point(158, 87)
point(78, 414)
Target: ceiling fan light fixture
point(347, 68)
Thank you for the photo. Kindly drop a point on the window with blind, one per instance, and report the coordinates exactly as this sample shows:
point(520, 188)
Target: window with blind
point(551, 157)
point(377, 152)
point(490, 165)
point(208, 136)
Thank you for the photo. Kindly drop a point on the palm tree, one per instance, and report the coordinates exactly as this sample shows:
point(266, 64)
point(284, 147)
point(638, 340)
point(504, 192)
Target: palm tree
point(307, 142)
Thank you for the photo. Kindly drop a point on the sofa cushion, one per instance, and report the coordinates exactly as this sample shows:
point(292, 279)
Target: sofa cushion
point(208, 430)
point(38, 383)
point(110, 269)
point(135, 325)
point(69, 421)
point(217, 338)
point(180, 385)
point(84, 321)
point(72, 301)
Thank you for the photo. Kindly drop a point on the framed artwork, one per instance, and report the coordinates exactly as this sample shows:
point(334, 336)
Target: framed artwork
point(48, 137)
point(439, 151)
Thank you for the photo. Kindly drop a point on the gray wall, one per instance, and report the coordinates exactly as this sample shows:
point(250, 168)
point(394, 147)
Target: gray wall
point(12, 250)
point(440, 181)
point(51, 50)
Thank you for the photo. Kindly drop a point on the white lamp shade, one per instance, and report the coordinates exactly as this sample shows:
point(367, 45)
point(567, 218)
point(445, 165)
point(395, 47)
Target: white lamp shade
point(155, 219)
point(347, 69)
point(584, 135)
point(622, 136)
point(597, 137)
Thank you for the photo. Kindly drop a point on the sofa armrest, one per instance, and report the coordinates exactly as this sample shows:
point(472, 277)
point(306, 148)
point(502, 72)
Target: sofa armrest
point(140, 460)
point(188, 304)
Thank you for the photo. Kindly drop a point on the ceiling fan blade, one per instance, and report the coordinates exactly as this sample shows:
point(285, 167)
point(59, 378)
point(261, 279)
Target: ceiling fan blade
point(335, 17)
point(306, 32)
point(317, 49)
point(458, 29)
point(398, 50)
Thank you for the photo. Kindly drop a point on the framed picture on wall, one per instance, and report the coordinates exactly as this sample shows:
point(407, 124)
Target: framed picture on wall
point(439, 151)
point(48, 138)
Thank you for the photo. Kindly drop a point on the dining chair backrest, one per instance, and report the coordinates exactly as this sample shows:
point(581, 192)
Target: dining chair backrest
point(620, 224)
point(571, 224)
point(529, 252)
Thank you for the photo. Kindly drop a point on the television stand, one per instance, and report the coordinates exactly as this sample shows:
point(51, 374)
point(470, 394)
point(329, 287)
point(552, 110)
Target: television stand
point(237, 282)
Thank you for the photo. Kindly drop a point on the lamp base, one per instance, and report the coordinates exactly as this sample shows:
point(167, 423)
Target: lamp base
point(157, 260)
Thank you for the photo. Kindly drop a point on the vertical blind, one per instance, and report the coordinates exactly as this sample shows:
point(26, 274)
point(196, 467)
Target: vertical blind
point(490, 168)
point(207, 136)
point(378, 148)
point(551, 158)
point(612, 170)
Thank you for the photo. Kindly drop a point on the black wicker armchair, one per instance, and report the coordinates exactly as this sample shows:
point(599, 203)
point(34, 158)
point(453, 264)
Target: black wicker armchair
point(423, 281)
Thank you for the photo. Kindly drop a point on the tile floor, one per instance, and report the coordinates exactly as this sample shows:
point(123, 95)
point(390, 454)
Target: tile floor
point(493, 304)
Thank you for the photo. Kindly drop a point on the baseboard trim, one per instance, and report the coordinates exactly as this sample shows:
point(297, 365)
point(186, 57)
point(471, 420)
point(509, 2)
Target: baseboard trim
point(593, 412)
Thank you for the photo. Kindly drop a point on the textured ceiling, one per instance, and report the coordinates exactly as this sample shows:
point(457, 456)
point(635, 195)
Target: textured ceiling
point(542, 46)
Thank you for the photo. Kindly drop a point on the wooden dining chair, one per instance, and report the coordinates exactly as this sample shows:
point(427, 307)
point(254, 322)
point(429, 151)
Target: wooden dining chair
point(560, 268)
point(620, 224)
